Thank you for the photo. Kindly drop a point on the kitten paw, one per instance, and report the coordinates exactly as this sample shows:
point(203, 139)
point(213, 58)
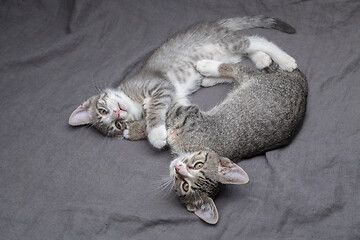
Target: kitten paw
point(127, 131)
point(135, 130)
point(261, 59)
point(208, 68)
point(126, 134)
point(287, 63)
point(157, 136)
point(171, 136)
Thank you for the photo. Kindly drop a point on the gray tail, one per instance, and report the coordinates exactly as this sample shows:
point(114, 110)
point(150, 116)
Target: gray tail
point(240, 23)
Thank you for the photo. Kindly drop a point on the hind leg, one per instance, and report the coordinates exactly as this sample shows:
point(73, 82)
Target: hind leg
point(209, 81)
point(284, 60)
point(235, 71)
point(259, 53)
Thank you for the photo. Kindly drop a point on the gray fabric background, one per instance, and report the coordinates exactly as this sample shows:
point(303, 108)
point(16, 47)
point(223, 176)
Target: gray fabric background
point(61, 182)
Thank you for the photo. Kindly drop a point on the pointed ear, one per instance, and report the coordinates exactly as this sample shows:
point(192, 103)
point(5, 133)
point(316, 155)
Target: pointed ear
point(231, 173)
point(81, 115)
point(206, 210)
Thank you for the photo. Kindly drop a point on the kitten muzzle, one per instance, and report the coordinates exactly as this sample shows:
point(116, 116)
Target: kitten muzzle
point(116, 113)
point(179, 169)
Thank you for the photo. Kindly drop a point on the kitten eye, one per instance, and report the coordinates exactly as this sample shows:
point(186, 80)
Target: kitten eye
point(198, 165)
point(185, 186)
point(102, 111)
point(118, 125)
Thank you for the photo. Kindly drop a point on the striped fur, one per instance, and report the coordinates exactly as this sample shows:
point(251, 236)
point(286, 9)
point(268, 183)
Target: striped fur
point(168, 76)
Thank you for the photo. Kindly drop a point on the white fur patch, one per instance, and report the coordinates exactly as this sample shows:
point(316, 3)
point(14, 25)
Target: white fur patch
point(126, 134)
point(285, 61)
point(184, 89)
point(208, 68)
point(261, 59)
point(133, 110)
point(209, 81)
point(178, 162)
point(157, 136)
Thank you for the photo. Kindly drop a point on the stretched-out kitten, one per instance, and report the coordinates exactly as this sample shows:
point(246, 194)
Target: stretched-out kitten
point(169, 76)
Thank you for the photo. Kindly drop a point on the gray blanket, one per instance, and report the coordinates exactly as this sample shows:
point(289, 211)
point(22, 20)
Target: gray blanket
point(62, 182)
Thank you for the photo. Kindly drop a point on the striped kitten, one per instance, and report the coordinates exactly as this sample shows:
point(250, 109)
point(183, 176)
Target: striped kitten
point(263, 112)
point(169, 76)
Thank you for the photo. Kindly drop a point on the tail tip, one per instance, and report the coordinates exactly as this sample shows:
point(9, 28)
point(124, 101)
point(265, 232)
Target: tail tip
point(284, 27)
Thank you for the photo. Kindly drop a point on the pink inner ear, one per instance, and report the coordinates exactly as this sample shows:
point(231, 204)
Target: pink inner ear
point(80, 116)
point(231, 173)
point(208, 212)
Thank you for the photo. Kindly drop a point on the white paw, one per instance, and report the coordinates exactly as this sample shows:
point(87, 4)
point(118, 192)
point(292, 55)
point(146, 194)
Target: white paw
point(157, 136)
point(261, 59)
point(287, 63)
point(126, 134)
point(208, 68)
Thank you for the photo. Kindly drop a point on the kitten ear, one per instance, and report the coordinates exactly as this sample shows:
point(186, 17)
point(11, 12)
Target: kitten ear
point(231, 173)
point(207, 211)
point(81, 115)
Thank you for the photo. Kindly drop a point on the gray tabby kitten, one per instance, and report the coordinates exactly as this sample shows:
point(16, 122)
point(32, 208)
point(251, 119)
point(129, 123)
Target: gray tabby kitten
point(168, 76)
point(263, 112)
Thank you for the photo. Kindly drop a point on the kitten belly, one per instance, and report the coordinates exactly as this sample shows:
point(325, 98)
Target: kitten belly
point(213, 51)
point(186, 78)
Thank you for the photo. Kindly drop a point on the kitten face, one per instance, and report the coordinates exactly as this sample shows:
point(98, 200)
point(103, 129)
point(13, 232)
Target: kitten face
point(108, 111)
point(194, 175)
point(197, 178)
point(194, 183)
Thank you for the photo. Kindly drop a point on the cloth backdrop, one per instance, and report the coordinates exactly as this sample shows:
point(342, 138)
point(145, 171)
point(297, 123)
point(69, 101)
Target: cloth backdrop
point(63, 182)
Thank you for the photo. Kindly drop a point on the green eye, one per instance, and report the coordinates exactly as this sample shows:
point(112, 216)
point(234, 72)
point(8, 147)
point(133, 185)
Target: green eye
point(102, 111)
point(118, 125)
point(185, 186)
point(198, 165)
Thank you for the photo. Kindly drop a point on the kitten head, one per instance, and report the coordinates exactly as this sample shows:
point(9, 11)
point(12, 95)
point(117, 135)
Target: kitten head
point(107, 111)
point(197, 178)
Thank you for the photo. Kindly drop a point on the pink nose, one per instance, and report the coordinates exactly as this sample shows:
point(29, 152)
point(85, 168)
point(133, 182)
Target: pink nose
point(116, 112)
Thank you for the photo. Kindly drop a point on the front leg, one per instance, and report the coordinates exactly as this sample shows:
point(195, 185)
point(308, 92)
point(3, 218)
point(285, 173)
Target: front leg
point(135, 130)
point(157, 107)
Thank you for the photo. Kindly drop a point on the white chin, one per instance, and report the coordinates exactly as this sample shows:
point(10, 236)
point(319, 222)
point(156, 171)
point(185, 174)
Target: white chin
point(172, 168)
point(173, 163)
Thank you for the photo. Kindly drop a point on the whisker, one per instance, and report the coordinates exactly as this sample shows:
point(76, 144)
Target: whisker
point(165, 187)
point(98, 89)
